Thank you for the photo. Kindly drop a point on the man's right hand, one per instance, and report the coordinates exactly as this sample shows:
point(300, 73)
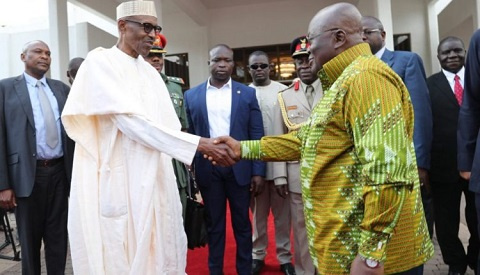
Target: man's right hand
point(7, 199)
point(465, 175)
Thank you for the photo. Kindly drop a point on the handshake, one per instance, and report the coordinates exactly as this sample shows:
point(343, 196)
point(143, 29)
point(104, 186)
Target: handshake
point(224, 150)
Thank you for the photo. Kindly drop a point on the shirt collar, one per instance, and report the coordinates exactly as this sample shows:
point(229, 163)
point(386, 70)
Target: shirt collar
point(451, 76)
point(380, 52)
point(314, 84)
point(226, 85)
point(335, 67)
point(33, 81)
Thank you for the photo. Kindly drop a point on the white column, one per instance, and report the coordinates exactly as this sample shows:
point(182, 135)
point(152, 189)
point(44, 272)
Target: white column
point(58, 25)
point(434, 35)
point(384, 12)
point(159, 10)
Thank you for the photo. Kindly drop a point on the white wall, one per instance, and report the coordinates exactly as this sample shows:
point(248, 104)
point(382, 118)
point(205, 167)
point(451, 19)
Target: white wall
point(263, 24)
point(185, 36)
point(457, 19)
point(5, 58)
point(410, 16)
point(85, 37)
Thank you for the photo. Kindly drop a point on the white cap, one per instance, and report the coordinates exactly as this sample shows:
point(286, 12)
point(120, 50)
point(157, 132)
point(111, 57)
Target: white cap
point(132, 8)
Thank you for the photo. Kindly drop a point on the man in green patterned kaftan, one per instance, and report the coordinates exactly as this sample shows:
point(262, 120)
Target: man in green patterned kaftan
point(360, 184)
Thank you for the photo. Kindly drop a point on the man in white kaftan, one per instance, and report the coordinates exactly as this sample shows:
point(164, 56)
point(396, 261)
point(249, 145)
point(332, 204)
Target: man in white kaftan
point(125, 216)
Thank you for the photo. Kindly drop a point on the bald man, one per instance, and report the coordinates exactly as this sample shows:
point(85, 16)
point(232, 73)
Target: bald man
point(359, 175)
point(73, 67)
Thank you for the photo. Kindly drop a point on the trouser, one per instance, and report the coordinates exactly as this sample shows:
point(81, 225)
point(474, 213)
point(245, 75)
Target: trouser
point(303, 260)
point(223, 187)
point(414, 271)
point(43, 217)
point(427, 201)
point(261, 205)
point(447, 198)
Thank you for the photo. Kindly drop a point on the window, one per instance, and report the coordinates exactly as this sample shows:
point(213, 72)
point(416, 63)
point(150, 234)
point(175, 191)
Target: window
point(177, 65)
point(402, 42)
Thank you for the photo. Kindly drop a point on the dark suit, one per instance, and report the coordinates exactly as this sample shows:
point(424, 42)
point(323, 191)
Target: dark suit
point(217, 184)
point(41, 212)
point(468, 138)
point(409, 67)
point(447, 186)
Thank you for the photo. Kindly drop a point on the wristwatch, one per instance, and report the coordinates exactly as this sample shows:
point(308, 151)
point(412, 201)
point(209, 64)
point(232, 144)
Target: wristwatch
point(370, 262)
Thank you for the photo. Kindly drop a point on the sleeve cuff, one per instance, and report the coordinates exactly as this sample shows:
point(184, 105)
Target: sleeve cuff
point(280, 181)
point(373, 245)
point(250, 149)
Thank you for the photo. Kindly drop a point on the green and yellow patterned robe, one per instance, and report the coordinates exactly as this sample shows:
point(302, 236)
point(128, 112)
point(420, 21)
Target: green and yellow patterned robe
point(359, 175)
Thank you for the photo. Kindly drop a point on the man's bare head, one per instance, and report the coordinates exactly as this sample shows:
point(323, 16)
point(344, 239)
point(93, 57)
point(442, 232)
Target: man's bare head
point(333, 30)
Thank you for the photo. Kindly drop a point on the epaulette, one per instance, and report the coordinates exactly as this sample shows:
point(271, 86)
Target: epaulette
point(295, 85)
point(175, 79)
point(288, 87)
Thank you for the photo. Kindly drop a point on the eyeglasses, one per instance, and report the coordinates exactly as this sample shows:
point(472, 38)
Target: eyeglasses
point(310, 37)
point(256, 66)
point(371, 31)
point(147, 27)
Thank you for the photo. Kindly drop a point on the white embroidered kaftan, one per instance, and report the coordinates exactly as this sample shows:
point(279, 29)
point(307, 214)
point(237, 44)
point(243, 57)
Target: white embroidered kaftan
point(125, 215)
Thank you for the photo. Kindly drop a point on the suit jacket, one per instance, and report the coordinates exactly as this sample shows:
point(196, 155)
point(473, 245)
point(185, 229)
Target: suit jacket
point(245, 124)
point(409, 67)
point(297, 111)
point(18, 147)
point(469, 117)
point(445, 109)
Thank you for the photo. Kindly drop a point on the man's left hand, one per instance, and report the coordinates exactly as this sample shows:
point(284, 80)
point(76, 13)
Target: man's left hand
point(424, 180)
point(257, 184)
point(359, 267)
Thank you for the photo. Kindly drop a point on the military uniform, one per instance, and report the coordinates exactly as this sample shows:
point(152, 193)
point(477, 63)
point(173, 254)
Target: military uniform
point(176, 95)
point(295, 110)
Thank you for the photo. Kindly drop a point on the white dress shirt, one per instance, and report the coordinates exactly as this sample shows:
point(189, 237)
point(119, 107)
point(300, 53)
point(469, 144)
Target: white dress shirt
point(219, 109)
point(43, 150)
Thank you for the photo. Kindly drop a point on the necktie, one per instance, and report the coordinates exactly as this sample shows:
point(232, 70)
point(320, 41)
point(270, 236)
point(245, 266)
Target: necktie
point(458, 90)
point(51, 134)
point(309, 92)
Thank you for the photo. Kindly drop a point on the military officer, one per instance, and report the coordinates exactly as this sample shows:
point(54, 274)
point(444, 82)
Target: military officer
point(296, 103)
point(155, 58)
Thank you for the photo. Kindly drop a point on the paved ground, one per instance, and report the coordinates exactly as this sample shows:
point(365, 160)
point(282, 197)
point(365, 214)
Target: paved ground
point(433, 267)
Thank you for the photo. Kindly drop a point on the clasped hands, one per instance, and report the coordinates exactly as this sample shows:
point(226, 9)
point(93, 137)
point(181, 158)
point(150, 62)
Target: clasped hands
point(224, 150)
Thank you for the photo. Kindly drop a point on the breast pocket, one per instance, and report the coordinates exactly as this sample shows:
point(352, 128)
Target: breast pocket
point(296, 116)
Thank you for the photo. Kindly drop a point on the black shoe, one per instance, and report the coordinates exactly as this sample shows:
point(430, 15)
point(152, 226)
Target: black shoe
point(257, 266)
point(455, 273)
point(287, 269)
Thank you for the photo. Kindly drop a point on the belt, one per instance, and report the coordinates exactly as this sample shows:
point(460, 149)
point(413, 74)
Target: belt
point(48, 162)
